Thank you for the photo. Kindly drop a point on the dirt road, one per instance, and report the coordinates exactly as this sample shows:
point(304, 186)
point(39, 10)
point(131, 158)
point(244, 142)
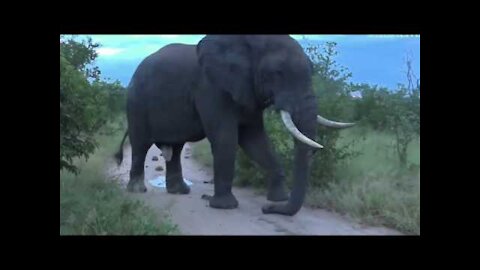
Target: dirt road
point(194, 217)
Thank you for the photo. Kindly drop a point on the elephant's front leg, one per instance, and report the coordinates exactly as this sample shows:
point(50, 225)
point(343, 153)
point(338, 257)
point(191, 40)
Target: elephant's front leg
point(257, 147)
point(224, 142)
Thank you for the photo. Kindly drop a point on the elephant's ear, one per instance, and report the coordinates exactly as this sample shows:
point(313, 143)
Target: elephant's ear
point(226, 64)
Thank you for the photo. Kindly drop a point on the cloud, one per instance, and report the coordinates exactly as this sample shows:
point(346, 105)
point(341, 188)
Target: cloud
point(169, 36)
point(107, 51)
point(392, 36)
point(140, 46)
point(319, 37)
point(138, 36)
point(354, 38)
point(375, 59)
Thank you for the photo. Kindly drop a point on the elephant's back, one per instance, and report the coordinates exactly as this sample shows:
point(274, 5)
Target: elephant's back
point(161, 92)
point(175, 55)
point(173, 68)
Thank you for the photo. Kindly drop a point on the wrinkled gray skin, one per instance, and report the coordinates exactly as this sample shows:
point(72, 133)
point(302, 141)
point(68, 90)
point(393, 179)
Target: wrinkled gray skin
point(218, 89)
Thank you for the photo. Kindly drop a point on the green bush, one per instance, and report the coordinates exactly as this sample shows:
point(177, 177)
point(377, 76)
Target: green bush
point(86, 102)
point(396, 112)
point(91, 126)
point(404, 119)
point(372, 109)
point(91, 204)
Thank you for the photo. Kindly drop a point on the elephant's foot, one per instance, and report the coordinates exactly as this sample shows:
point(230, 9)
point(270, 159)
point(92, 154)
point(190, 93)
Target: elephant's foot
point(280, 209)
point(136, 186)
point(277, 193)
point(177, 187)
point(227, 201)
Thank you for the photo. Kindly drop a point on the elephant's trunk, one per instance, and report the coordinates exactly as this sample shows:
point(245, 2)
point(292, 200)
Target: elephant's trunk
point(305, 120)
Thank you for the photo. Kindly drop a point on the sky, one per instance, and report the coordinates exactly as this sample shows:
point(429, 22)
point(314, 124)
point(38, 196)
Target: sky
point(373, 59)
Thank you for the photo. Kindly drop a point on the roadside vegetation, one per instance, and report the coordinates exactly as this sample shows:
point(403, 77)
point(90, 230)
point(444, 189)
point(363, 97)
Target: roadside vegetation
point(91, 126)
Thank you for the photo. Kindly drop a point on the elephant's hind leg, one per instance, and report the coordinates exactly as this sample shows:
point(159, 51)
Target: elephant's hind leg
point(174, 178)
point(137, 171)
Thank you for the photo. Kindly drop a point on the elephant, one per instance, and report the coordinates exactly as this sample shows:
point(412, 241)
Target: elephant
point(218, 89)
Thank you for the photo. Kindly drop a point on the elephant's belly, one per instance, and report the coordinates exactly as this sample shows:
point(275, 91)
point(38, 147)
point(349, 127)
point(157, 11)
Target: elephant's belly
point(175, 127)
point(172, 114)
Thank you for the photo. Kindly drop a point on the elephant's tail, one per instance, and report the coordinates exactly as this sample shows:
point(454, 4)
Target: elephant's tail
point(119, 154)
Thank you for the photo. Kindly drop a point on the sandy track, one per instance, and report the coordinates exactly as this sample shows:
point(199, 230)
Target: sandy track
point(194, 217)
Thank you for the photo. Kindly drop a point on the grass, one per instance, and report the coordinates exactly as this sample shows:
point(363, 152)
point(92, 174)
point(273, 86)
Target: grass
point(370, 187)
point(202, 153)
point(92, 205)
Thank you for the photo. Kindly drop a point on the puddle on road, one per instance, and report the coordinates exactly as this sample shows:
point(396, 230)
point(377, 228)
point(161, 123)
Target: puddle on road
point(159, 182)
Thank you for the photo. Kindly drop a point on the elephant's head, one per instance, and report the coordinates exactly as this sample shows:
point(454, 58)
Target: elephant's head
point(262, 70)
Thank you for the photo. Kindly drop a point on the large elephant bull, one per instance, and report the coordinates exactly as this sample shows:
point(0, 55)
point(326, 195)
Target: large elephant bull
point(218, 89)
